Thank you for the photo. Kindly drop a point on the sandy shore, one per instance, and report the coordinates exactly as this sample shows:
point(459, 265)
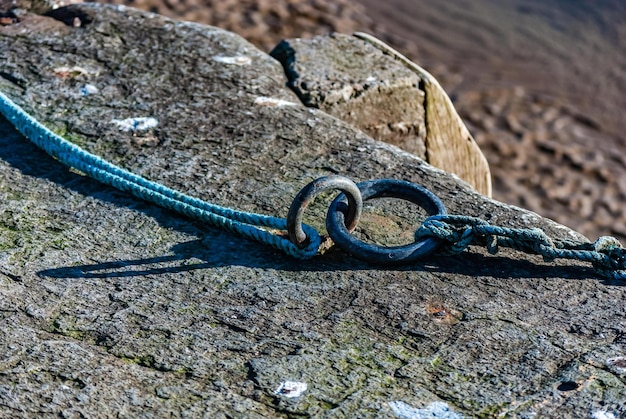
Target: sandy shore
point(540, 83)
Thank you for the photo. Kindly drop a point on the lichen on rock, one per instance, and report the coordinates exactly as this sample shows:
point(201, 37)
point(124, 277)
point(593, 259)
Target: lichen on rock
point(114, 305)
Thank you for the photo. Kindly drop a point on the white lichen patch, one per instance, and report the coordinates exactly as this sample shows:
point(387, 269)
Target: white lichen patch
point(236, 60)
point(273, 102)
point(136, 124)
point(70, 72)
point(438, 410)
point(603, 414)
point(89, 89)
point(62, 3)
point(618, 364)
point(339, 96)
point(530, 218)
point(291, 389)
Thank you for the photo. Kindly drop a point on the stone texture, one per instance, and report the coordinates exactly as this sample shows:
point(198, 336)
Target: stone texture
point(113, 306)
point(381, 92)
point(371, 93)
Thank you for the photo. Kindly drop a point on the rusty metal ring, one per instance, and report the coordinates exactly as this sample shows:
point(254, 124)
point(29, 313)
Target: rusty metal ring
point(351, 206)
point(394, 255)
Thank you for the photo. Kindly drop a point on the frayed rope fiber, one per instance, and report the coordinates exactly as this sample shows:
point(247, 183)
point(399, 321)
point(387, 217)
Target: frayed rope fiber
point(458, 232)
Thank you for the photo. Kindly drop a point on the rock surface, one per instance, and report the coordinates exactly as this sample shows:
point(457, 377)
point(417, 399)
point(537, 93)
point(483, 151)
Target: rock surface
point(114, 305)
point(382, 98)
point(388, 97)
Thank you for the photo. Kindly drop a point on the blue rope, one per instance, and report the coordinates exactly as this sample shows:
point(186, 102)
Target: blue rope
point(605, 254)
point(243, 223)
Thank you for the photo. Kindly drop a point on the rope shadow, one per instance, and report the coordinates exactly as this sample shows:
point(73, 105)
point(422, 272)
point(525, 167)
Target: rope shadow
point(198, 254)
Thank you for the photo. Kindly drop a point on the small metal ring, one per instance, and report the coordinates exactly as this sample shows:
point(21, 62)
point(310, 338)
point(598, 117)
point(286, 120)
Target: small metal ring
point(382, 188)
point(351, 209)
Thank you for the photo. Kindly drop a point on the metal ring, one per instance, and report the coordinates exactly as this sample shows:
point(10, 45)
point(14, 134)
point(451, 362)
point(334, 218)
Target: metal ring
point(389, 188)
point(351, 209)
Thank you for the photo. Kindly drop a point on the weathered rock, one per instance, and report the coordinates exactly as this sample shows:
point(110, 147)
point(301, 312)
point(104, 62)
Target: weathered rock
point(372, 92)
point(366, 83)
point(114, 305)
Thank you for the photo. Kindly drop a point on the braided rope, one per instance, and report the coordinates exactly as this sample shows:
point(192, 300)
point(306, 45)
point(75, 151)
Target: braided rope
point(605, 254)
point(246, 224)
